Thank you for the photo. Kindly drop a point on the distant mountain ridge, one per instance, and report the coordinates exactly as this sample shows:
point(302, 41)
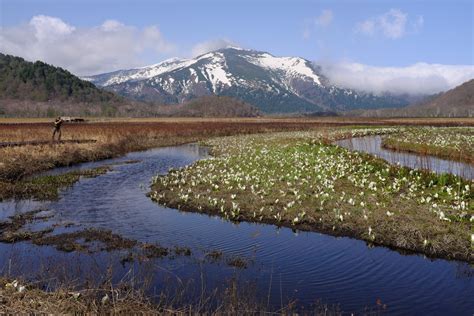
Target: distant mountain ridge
point(457, 102)
point(272, 84)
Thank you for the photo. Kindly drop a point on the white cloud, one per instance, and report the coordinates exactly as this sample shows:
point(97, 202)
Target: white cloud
point(324, 19)
point(46, 27)
point(392, 24)
point(321, 21)
point(211, 45)
point(419, 78)
point(112, 25)
point(110, 46)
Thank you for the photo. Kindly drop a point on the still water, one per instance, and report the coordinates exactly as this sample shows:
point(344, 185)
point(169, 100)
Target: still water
point(372, 145)
point(287, 265)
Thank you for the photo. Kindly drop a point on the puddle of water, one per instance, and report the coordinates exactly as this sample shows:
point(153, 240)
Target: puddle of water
point(302, 266)
point(372, 145)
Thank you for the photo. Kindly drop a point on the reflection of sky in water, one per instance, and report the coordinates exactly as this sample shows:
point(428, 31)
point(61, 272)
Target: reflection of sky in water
point(303, 266)
point(372, 145)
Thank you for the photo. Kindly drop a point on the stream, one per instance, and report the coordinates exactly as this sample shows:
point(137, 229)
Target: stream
point(373, 145)
point(283, 264)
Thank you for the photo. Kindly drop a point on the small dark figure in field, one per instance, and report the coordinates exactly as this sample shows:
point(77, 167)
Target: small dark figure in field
point(57, 127)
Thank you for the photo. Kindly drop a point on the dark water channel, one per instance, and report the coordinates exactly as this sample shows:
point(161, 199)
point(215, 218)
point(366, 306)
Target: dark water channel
point(288, 265)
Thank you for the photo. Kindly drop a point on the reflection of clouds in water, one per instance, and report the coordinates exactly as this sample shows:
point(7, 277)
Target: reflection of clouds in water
point(372, 145)
point(193, 150)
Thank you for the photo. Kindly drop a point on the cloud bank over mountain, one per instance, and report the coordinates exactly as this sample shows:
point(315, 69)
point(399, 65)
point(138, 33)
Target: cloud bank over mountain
point(419, 78)
point(113, 45)
point(211, 45)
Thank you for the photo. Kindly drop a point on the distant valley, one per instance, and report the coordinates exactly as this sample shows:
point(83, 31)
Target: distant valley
point(457, 102)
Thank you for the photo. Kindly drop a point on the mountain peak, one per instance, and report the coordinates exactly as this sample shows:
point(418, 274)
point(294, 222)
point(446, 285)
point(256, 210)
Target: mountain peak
point(166, 61)
point(274, 84)
point(233, 47)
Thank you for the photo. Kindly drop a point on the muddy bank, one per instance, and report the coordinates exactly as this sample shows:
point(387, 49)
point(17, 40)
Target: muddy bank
point(93, 240)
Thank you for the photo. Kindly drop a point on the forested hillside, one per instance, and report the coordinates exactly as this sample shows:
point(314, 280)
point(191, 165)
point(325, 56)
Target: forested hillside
point(38, 89)
point(23, 80)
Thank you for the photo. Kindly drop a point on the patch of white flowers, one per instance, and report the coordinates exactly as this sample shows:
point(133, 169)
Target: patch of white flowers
point(292, 176)
point(460, 139)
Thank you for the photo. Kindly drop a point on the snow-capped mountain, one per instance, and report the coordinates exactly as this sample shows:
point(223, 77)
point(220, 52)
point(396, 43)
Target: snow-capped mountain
point(273, 84)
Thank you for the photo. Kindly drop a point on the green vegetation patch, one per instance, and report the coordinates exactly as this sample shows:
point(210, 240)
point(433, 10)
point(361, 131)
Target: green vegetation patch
point(45, 187)
point(296, 180)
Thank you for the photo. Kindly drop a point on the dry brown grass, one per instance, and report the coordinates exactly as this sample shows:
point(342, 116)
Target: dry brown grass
point(342, 120)
point(112, 139)
point(63, 301)
point(106, 299)
point(116, 137)
point(234, 298)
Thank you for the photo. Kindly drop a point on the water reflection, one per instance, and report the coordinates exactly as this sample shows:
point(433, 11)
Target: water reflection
point(304, 266)
point(373, 145)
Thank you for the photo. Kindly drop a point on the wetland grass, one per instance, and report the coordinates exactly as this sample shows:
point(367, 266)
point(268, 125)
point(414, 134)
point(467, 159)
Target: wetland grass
point(45, 187)
point(296, 180)
point(117, 137)
point(453, 143)
point(114, 139)
point(129, 296)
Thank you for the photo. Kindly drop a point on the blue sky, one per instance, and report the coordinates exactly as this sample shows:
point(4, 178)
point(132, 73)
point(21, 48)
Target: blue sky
point(377, 33)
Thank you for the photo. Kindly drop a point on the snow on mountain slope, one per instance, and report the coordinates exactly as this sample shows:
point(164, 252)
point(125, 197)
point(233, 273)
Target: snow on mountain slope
point(293, 66)
point(146, 72)
point(215, 70)
point(155, 70)
point(274, 84)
